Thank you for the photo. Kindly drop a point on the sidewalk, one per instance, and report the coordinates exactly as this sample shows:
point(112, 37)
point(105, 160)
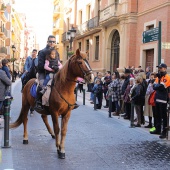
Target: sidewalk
point(105, 110)
point(15, 156)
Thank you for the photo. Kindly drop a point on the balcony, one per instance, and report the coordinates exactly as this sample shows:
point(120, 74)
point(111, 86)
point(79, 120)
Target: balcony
point(110, 13)
point(56, 11)
point(64, 37)
point(3, 31)
point(88, 27)
point(3, 52)
point(56, 26)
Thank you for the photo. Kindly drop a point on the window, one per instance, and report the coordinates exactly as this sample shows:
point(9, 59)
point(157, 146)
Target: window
point(80, 17)
point(87, 48)
point(97, 48)
point(88, 12)
point(149, 27)
point(68, 24)
point(79, 45)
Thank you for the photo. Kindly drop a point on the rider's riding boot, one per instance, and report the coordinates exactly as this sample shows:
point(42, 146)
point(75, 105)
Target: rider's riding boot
point(38, 104)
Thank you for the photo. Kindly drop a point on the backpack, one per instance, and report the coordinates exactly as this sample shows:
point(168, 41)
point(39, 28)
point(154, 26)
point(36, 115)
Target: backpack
point(151, 100)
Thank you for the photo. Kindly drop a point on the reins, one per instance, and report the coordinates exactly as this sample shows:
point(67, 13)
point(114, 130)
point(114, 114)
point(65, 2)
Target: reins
point(69, 105)
point(84, 74)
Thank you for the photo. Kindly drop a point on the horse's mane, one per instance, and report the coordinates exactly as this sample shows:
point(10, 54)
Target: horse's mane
point(62, 73)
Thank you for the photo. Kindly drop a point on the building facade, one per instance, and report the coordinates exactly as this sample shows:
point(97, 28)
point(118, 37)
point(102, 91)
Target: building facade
point(111, 30)
point(58, 25)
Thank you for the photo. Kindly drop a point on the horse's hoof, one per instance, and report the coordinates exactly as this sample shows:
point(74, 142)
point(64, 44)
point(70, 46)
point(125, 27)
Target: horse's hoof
point(25, 141)
point(61, 155)
point(53, 136)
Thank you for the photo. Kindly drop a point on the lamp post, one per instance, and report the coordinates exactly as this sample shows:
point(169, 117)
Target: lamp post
point(71, 34)
point(13, 49)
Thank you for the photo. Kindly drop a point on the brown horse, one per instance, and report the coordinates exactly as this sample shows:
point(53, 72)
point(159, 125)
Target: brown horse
point(61, 101)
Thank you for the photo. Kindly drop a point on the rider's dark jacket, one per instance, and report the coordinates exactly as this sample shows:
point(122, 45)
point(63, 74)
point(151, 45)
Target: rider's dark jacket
point(42, 57)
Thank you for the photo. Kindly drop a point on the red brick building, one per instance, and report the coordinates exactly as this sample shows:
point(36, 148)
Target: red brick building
point(111, 30)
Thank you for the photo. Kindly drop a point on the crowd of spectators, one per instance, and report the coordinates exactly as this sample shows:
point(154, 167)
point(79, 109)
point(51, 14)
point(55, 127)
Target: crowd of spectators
point(147, 91)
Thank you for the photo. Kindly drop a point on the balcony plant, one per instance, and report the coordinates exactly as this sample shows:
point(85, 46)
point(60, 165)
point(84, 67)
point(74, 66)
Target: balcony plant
point(3, 7)
point(69, 53)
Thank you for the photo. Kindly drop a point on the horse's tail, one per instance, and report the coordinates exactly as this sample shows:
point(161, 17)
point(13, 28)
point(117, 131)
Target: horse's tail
point(17, 123)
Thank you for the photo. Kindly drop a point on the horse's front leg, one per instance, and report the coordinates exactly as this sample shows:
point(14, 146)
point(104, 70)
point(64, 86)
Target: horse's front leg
point(56, 130)
point(45, 120)
point(64, 124)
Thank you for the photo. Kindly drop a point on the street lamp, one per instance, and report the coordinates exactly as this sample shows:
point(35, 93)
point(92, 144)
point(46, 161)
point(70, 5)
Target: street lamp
point(13, 49)
point(71, 34)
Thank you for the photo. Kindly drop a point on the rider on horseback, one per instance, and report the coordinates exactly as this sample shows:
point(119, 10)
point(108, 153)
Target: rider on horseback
point(51, 42)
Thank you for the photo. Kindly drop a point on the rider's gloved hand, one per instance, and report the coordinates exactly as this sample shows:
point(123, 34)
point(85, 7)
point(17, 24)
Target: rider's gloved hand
point(55, 68)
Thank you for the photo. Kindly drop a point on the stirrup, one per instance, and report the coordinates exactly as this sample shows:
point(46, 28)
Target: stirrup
point(38, 106)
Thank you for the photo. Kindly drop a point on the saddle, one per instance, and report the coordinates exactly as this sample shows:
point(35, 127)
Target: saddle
point(45, 97)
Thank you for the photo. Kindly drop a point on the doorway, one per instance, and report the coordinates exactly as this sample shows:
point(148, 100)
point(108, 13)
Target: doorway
point(150, 59)
point(115, 48)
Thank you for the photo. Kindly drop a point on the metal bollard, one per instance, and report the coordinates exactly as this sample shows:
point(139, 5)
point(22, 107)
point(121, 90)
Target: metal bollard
point(7, 104)
point(83, 96)
point(132, 125)
point(110, 106)
point(76, 91)
point(95, 106)
point(168, 126)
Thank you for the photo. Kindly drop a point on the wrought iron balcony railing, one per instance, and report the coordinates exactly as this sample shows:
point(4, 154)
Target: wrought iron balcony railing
point(3, 50)
point(88, 25)
point(4, 30)
point(64, 37)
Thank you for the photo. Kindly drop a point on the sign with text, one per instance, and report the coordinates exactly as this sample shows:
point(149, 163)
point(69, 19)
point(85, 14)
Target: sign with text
point(165, 45)
point(151, 35)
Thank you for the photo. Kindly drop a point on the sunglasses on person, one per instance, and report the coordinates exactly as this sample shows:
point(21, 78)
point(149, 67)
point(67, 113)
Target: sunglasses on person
point(52, 41)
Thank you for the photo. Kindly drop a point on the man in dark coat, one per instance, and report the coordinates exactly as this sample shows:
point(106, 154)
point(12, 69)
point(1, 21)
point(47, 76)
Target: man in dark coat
point(51, 42)
point(4, 83)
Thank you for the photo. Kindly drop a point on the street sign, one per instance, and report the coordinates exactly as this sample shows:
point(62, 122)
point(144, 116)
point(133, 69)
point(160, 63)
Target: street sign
point(151, 35)
point(165, 45)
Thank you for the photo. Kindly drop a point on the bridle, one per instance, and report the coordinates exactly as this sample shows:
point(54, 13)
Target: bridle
point(85, 73)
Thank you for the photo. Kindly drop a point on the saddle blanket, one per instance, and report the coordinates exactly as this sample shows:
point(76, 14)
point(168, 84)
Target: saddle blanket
point(33, 90)
point(46, 95)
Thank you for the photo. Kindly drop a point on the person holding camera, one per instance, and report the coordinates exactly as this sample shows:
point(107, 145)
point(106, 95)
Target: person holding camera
point(52, 65)
point(161, 86)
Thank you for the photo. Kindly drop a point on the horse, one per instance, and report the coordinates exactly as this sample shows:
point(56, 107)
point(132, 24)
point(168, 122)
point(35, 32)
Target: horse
point(61, 101)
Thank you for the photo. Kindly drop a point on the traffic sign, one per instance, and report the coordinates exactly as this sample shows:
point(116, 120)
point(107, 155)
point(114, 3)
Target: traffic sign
point(151, 35)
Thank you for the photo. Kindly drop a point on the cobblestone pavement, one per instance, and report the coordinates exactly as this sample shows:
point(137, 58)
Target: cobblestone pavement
point(93, 142)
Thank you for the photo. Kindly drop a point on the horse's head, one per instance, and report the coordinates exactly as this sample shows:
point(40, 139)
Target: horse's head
point(81, 65)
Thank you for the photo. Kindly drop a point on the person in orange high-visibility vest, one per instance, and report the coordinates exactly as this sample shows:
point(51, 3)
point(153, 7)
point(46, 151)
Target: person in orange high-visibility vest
point(161, 86)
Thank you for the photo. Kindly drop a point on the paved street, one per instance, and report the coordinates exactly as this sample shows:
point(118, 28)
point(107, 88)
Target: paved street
point(93, 142)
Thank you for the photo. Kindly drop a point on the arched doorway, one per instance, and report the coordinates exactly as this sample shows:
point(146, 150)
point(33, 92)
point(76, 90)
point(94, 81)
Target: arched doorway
point(114, 60)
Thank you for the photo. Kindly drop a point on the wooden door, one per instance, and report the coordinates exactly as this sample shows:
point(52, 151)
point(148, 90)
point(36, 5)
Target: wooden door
point(149, 59)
